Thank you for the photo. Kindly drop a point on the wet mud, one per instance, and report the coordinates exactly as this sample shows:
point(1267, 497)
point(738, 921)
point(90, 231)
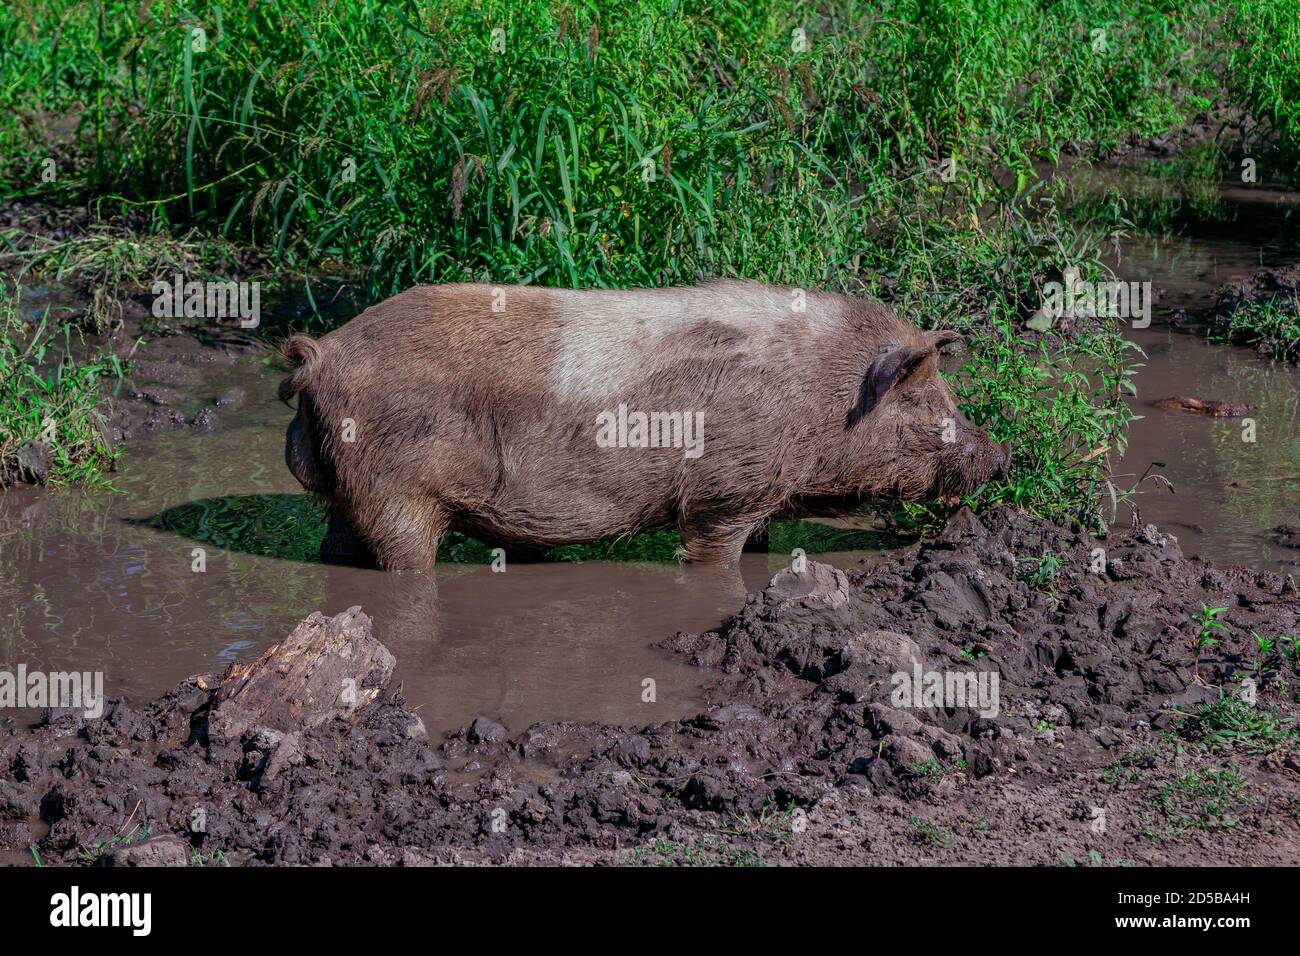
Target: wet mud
point(1107, 731)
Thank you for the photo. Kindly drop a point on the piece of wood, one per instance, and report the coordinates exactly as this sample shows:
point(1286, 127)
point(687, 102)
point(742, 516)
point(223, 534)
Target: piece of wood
point(328, 667)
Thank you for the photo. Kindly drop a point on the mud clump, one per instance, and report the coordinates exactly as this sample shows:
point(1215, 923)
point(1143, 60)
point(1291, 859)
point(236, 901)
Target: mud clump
point(31, 464)
point(1201, 406)
point(962, 705)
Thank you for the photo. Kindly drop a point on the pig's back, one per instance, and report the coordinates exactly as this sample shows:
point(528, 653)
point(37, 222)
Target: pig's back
point(592, 346)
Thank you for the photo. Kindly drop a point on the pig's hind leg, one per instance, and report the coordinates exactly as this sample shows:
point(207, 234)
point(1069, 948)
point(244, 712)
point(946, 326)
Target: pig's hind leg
point(404, 532)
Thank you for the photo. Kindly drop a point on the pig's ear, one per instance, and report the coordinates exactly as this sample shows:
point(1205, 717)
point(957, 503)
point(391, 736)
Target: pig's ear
point(941, 337)
point(888, 371)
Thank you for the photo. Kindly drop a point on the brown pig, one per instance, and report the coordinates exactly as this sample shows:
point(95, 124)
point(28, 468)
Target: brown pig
point(532, 417)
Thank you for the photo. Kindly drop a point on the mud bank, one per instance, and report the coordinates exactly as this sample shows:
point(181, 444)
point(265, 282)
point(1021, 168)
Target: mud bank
point(183, 374)
point(1109, 743)
point(1271, 287)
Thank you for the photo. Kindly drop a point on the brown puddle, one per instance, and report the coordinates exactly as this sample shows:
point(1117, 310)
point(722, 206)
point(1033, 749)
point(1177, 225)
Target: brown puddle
point(87, 583)
point(1228, 493)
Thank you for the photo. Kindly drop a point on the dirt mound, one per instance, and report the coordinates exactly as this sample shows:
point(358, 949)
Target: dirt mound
point(1009, 693)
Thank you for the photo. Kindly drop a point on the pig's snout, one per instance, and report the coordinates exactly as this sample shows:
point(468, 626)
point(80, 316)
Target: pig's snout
point(973, 460)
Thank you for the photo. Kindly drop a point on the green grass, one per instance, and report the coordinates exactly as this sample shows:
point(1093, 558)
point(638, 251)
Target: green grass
point(96, 853)
point(707, 852)
point(932, 834)
point(1041, 572)
point(933, 769)
point(104, 265)
point(1207, 800)
point(531, 163)
point(642, 143)
point(215, 857)
point(49, 396)
point(1263, 67)
point(1129, 768)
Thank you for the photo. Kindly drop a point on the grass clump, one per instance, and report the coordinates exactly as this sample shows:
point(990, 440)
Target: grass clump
point(1270, 326)
point(706, 852)
point(1041, 572)
point(932, 834)
point(51, 426)
point(1207, 800)
point(1231, 722)
point(105, 265)
point(1129, 768)
point(1260, 66)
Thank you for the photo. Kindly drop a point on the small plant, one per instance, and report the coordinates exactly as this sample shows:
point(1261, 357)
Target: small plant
point(1128, 769)
point(772, 824)
point(932, 834)
point(709, 852)
point(934, 770)
point(1286, 646)
point(50, 401)
point(216, 858)
point(1208, 625)
point(1041, 572)
point(121, 839)
point(1270, 326)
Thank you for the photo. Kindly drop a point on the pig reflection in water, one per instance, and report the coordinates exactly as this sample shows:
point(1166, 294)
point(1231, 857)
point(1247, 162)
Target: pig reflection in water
point(546, 641)
point(505, 413)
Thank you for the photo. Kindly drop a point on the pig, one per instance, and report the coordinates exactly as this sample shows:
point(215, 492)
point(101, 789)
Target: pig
point(531, 417)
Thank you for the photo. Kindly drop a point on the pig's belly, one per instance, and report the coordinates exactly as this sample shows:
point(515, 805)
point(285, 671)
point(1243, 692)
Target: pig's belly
point(579, 517)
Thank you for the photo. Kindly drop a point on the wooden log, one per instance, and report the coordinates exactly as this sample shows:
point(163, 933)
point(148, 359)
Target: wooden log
point(328, 667)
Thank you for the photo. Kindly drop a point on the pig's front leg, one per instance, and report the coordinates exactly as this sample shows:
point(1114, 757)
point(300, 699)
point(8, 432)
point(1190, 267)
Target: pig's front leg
point(717, 542)
point(403, 531)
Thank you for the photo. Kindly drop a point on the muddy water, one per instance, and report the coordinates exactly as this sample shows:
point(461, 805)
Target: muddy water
point(1228, 492)
point(88, 582)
